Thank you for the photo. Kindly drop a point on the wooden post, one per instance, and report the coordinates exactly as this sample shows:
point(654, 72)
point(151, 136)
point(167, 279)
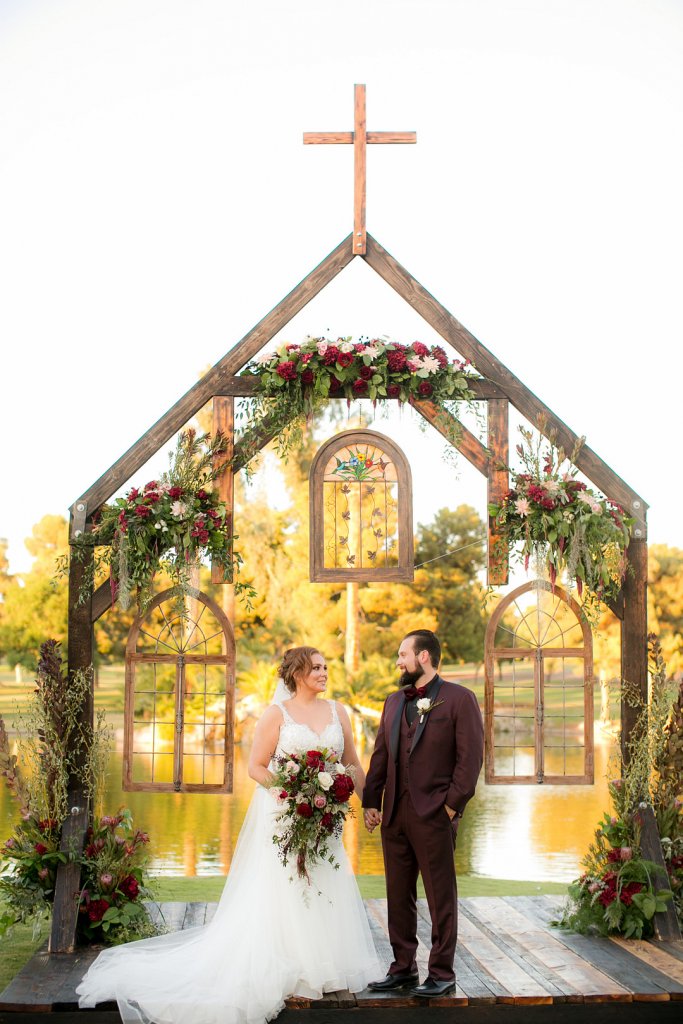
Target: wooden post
point(498, 483)
point(79, 656)
point(666, 922)
point(634, 639)
point(224, 423)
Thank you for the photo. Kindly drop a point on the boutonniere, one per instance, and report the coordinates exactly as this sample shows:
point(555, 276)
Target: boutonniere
point(425, 705)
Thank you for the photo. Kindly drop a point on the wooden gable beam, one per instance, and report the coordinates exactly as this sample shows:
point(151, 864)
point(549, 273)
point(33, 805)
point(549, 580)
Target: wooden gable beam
point(209, 385)
point(438, 317)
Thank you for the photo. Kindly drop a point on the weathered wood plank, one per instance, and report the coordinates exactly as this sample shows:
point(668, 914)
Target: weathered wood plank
point(455, 432)
point(68, 881)
point(665, 923)
point(644, 982)
point(515, 984)
point(561, 968)
point(359, 169)
point(198, 395)
point(521, 397)
point(659, 959)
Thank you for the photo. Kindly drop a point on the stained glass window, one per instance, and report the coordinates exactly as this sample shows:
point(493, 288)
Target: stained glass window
point(361, 509)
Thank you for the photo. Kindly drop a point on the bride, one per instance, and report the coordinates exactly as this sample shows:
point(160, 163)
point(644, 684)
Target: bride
point(273, 934)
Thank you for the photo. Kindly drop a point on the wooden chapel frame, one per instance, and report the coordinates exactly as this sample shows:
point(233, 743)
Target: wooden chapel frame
point(498, 387)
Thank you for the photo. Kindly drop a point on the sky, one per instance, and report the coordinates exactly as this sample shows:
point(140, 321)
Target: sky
point(156, 201)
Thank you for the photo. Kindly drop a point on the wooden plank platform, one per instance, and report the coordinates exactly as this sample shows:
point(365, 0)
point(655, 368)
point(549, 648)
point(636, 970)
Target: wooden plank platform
point(508, 957)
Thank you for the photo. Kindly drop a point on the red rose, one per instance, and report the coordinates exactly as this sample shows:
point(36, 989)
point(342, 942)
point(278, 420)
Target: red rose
point(393, 391)
point(360, 387)
point(203, 495)
point(306, 357)
point(286, 370)
point(151, 486)
point(175, 492)
point(335, 385)
point(97, 910)
point(143, 511)
point(283, 794)
point(536, 493)
point(396, 360)
point(307, 377)
point(130, 887)
point(152, 497)
point(548, 503)
point(419, 349)
point(40, 849)
point(331, 355)
point(342, 788)
point(366, 372)
point(345, 358)
point(292, 347)
point(326, 821)
point(425, 388)
point(304, 810)
point(314, 759)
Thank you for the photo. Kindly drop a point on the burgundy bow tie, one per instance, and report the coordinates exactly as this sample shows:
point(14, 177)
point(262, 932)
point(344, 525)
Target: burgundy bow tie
point(411, 692)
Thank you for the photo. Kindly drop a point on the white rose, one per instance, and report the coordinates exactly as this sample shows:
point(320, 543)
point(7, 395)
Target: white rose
point(325, 780)
point(423, 704)
point(346, 346)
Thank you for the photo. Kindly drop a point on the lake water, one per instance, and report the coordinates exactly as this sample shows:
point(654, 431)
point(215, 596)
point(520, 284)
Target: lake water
point(516, 832)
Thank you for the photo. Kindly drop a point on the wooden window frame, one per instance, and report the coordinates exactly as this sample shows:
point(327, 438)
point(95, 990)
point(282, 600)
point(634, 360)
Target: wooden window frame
point(134, 658)
point(538, 655)
point(403, 572)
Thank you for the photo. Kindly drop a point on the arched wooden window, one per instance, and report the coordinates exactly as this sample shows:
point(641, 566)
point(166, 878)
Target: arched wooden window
point(539, 689)
point(361, 506)
point(180, 686)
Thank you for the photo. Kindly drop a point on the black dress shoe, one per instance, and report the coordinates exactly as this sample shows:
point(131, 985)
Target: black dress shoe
point(431, 988)
point(392, 981)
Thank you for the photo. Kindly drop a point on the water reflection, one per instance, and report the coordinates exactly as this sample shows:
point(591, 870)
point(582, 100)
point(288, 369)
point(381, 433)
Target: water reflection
point(521, 832)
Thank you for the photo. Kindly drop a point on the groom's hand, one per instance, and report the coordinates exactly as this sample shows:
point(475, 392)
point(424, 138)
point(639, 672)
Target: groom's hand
point(372, 818)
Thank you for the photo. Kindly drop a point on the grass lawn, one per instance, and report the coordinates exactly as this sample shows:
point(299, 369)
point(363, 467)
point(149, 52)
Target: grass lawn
point(19, 947)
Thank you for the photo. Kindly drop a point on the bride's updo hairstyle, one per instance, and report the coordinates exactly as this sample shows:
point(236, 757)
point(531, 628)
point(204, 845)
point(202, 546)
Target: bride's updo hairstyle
point(295, 661)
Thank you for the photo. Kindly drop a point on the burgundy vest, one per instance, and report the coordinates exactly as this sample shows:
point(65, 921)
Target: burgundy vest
point(405, 742)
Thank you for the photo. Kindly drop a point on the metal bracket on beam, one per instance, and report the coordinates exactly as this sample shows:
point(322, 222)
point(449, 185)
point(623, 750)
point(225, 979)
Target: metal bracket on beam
point(79, 512)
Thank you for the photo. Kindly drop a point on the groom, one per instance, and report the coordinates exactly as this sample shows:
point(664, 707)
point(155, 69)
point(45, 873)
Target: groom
point(427, 758)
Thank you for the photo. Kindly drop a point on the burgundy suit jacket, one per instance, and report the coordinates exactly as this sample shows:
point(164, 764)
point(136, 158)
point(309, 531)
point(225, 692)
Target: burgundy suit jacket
point(446, 755)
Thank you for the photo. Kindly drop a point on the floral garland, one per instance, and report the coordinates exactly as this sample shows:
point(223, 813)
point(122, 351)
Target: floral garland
point(320, 368)
point(560, 520)
point(171, 523)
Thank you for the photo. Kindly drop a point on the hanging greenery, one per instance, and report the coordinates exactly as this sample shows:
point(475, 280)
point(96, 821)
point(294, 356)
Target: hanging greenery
point(170, 524)
point(561, 522)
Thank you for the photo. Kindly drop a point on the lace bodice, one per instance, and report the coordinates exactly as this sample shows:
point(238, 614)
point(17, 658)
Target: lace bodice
point(294, 736)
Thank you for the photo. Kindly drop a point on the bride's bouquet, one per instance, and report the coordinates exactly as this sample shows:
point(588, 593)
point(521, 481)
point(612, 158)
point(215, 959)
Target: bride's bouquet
point(314, 789)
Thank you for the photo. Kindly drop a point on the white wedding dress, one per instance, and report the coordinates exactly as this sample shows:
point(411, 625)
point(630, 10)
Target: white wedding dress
point(270, 937)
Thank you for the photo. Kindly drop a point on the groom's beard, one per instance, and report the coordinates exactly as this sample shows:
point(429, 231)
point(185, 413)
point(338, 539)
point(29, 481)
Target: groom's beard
point(411, 678)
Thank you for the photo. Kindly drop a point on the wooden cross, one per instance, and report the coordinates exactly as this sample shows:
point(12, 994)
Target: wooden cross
point(359, 137)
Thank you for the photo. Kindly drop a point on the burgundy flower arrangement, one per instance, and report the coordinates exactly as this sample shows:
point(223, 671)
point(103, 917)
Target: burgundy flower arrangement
point(378, 370)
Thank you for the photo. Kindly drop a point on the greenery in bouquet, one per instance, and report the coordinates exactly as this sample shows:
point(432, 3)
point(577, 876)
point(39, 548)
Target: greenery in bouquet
point(56, 752)
point(560, 522)
point(113, 881)
point(314, 789)
point(170, 524)
point(621, 891)
point(295, 380)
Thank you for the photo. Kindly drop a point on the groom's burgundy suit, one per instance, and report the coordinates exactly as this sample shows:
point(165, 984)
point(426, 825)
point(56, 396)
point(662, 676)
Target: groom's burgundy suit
point(415, 771)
